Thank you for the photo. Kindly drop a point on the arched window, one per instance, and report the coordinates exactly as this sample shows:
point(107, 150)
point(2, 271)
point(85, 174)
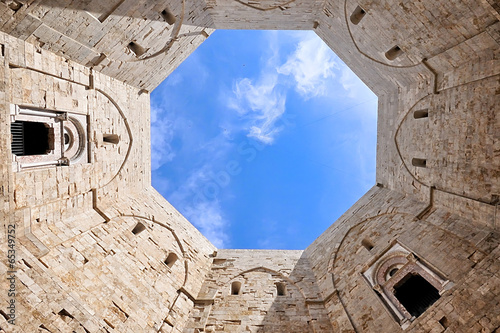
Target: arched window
point(138, 228)
point(357, 15)
point(405, 284)
point(235, 288)
point(171, 259)
point(393, 53)
point(281, 288)
point(367, 244)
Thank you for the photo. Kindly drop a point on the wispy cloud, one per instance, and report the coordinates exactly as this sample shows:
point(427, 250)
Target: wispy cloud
point(312, 69)
point(208, 218)
point(162, 133)
point(256, 107)
point(312, 66)
point(260, 105)
point(198, 200)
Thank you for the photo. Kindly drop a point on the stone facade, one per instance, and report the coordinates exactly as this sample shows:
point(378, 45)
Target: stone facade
point(97, 249)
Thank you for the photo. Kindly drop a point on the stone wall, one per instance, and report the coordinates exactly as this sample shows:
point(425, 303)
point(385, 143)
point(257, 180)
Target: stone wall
point(80, 267)
point(257, 305)
point(463, 253)
point(96, 244)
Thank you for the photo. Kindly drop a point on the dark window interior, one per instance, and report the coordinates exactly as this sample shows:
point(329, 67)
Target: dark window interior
point(416, 294)
point(138, 228)
point(29, 138)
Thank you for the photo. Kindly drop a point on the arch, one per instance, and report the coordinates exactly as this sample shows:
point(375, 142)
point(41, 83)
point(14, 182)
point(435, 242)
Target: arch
point(235, 288)
point(129, 132)
point(385, 64)
point(174, 36)
point(171, 259)
point(270, 271)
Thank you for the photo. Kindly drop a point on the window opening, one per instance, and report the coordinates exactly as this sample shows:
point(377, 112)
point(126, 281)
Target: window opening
point(421, 114)
point(168, 16)
point(419, 162)
point(138, 229)
point(171, 259)
point(15, 5)
point(65, 315)
point(444, 322)
point(235, 288)
point(111, 138)
point(357, 15)
point(367, 244)
point(393, 53)
point(136, 48)
point(30, 138)
point(281, 288)
point(416, 294)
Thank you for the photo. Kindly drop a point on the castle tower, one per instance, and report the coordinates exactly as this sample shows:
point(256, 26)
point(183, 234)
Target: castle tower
point(87, 245)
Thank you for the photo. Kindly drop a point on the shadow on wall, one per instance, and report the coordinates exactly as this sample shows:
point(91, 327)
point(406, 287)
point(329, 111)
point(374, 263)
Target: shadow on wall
point(297, 305)
point(263, 300)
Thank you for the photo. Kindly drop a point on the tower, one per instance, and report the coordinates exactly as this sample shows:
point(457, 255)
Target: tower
point(89, 246)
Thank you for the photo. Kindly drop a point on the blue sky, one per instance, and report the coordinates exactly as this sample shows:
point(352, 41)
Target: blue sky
point(262, 139)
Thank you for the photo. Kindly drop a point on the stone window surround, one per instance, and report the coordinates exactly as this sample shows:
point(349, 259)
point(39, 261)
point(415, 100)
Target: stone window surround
point(63, 123)
point(397, 256)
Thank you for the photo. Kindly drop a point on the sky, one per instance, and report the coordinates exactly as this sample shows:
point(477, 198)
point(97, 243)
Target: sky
point(262, 139)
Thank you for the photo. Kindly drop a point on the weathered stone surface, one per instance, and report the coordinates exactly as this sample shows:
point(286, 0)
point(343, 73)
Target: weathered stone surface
point(92, 239)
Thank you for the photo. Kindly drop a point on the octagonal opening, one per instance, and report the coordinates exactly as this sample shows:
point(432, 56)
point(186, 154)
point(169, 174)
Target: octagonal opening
point(262, 139)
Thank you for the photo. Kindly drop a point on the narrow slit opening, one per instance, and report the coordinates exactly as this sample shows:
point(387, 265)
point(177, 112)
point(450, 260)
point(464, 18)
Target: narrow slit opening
point(357, 15)
point(393, 53)
point(419, 162)
point(138, 228)
point(235, 288)
point(136, 49)
point(367, 244)
point(111, 138)
point(171, 259)
point(281, 288)
point(444, 322)
point(421, 114)
point(168, 16)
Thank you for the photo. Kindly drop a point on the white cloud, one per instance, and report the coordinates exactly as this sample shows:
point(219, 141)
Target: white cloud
point(199, 204)
point(312, 65)
point(162, 133)
point(207, 217)
point(261, 104)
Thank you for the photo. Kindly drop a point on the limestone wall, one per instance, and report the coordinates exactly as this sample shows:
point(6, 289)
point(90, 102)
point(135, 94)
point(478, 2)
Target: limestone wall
point(94, 240)
point(81, 263)
point(258, 305)
point(98, 34)
point(463, 253)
